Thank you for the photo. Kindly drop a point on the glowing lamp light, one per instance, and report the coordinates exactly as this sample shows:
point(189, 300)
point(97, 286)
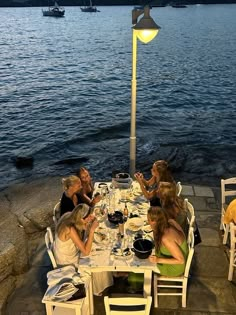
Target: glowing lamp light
point(145, 36)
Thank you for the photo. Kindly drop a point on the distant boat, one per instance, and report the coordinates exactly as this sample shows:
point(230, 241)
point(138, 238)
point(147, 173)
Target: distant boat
point(89, 8)
point(55, 11)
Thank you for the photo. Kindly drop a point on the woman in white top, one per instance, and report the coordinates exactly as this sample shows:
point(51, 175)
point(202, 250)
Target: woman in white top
point(70, 242)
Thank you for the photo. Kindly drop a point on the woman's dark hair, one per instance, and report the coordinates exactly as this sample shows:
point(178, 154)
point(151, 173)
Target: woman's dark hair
point(159, 216)
point(80, 170)
point(164, 172)
point(170, 202)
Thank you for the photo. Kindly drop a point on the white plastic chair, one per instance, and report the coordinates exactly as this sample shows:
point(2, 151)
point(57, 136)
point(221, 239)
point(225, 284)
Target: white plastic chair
point(56, 212)
point(190, 216)
point(49, 245)
point(178, 188)
point(169, 283)
point(228, 190)
point(232, 258)
point(127, 305)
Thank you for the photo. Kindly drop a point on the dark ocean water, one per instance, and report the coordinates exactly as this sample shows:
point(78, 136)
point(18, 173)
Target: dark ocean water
point(65, 87)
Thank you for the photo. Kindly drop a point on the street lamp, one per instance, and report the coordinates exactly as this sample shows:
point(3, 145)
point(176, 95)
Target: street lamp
point(145, 30)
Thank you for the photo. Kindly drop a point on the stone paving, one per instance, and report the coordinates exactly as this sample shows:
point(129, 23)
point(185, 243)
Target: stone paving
point(209, 291)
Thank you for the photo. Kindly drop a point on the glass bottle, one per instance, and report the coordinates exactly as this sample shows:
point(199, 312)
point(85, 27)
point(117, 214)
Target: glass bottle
point(125, 212)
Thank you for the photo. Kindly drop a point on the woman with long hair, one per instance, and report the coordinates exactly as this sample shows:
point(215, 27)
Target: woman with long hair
point(170, 243)
point(173, 204)
point(71, 186)
point(160, 172)
point(74, 237)
point(85, 195)
point(70, 230)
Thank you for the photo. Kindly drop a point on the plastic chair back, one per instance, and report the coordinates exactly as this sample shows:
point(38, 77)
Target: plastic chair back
point(127, 305)
point(228, 192)
point(49, 245)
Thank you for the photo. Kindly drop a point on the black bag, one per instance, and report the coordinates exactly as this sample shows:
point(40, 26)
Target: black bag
point(197, 236)
point(80, 294)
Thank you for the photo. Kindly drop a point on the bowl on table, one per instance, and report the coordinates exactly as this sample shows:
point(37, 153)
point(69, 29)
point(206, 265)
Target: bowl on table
point(115, 217)
point(142, 248)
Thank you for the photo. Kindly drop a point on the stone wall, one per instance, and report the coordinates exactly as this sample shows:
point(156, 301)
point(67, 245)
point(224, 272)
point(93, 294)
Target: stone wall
point(25, 211)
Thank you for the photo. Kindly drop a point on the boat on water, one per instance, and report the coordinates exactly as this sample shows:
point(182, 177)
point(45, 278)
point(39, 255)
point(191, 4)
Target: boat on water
point(55, 11)
point(89, 8)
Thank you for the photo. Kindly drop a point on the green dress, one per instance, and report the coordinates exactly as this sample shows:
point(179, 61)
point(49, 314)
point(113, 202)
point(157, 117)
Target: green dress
point(172, 270)
point(136, 279)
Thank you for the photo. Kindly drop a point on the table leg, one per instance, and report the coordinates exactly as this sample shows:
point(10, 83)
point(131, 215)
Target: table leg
point(147, 283)
point(91, 302)
point(49, 309)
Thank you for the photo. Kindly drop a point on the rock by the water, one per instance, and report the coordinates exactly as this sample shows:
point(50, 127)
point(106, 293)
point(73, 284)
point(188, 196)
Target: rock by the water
point(72, 161)
point(24, 161)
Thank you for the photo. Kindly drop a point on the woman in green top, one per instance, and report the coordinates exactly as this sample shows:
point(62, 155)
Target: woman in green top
point(170, 243)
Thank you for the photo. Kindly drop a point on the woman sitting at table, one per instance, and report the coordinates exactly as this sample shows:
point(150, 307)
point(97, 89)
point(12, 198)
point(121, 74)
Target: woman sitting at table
point(170, 243)
point(74, 236)
point(160, 172)
point(86, 193)
point(69, 200)
point(173, 204)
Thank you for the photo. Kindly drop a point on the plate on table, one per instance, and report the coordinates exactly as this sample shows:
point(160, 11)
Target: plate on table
point(147, 229)
point(122, 254)
point(137, 193)
point(101, 236)
point(134, 224)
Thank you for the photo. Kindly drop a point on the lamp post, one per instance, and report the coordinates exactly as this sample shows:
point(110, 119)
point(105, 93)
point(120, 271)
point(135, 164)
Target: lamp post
point(145, 30)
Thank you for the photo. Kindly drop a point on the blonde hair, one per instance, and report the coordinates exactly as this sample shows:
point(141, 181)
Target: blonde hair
point(69, 181)
point(73, 218)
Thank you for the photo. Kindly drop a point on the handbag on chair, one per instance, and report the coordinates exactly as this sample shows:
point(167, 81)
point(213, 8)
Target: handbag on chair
point(197, 236)
point(80, 294)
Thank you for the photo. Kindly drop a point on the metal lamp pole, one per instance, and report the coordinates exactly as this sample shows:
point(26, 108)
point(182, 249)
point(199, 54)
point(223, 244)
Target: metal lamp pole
point(145, 30)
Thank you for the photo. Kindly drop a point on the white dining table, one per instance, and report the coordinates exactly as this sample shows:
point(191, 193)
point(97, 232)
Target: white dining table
point(102, 257)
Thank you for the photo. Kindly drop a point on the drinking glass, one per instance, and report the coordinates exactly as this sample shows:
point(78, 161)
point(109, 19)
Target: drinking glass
point(111, 238)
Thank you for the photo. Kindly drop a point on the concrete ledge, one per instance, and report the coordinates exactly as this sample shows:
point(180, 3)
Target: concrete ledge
point(201, 191)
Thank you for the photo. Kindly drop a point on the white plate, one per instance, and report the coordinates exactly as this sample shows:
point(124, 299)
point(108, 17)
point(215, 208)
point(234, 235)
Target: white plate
point(121, 256)
point(137, 193)
point(147, 228)
point(101, 236)
point(134, 224)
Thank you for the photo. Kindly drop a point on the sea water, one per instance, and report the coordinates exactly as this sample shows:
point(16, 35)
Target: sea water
point(65, 92)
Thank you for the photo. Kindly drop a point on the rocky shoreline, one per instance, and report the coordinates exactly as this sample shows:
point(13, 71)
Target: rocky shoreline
point(25, 211)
